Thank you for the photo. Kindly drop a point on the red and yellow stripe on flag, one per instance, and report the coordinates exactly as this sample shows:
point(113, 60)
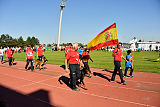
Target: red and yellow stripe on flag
point(107, 37)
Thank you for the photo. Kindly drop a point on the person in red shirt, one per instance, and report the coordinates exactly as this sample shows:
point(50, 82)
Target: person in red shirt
point(85, 58)
point(117, 54)
point(73, 58)
point(9, 55)
point(68, 48)
point(29, 57)
point(40, 53)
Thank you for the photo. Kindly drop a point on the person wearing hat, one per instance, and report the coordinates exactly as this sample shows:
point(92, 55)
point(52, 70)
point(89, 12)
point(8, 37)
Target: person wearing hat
point(29, 57)
point(40, 53)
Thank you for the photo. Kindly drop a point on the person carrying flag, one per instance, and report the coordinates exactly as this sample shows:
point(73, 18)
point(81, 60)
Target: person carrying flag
point(117, 54)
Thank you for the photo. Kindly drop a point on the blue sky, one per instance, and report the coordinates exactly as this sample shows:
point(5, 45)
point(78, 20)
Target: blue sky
point(82, 19)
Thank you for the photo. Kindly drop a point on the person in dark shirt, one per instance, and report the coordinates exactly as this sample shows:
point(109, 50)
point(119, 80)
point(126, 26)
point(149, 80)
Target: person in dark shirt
point(85, 58)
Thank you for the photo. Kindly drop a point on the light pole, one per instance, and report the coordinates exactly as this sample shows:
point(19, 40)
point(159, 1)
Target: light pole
point(60, 20)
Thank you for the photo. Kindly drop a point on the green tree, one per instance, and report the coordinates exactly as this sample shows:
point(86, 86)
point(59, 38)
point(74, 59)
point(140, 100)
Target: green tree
point(6, 40)
point(21, 42)
point(34, 41)
point(28, 41)
point(49, 45)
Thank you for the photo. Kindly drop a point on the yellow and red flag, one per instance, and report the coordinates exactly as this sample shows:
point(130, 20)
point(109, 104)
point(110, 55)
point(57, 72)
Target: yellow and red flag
point(107, 37)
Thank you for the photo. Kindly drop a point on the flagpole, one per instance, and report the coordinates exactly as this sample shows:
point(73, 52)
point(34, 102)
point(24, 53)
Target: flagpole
point(60, 20)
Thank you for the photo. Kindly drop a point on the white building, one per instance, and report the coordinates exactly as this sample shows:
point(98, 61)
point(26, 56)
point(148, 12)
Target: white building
point(146, 46)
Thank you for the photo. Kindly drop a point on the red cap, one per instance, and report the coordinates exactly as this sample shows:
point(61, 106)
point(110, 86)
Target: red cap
point(29, 45)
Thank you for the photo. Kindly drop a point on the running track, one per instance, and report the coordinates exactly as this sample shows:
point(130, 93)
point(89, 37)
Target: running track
point(20, 88)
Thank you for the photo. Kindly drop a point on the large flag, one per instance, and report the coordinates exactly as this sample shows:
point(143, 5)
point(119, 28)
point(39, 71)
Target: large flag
point(107, 37)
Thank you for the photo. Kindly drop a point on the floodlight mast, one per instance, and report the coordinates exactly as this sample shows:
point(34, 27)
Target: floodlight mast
point(60, 20)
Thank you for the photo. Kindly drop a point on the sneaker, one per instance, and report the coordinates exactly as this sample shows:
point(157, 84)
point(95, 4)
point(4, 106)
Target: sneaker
point(131, 76)
point(125, 76)
point(113, 81)
point(76, 89)
point(124, 83)
point(89, 76)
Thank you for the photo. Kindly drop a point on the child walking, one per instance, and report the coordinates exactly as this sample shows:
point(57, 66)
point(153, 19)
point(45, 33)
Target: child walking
point(129, 64)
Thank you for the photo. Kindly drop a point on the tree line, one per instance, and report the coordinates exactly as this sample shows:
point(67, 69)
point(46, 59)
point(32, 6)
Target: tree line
point(7, 40)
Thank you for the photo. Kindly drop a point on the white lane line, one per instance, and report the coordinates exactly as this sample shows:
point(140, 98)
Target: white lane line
point(101, 96)
point(143, 82)
point(94, 76)
point(34, 82)
point(136, 81)
point(39, 73)
point(28, 70)
point(38, 82)
point(122, 87)
point(27, 79)
point(86, 82)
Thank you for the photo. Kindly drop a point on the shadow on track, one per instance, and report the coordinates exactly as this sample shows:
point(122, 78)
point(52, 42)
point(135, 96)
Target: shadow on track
point(65, 80)
point(12, 98)
point(101, 75)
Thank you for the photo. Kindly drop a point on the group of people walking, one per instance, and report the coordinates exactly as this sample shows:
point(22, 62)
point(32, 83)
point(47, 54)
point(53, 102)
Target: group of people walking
point(117, 54)
point(77, 58)
point(28, 54)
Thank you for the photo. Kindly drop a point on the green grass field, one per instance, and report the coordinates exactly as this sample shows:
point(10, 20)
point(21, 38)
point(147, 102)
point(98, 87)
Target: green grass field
point(143, 61)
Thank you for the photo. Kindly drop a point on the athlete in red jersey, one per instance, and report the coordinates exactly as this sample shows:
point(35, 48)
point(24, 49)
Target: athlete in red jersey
point(117, 54)
point(29, 57)
point(40, 53)
point(9, 55)
point(73, 58)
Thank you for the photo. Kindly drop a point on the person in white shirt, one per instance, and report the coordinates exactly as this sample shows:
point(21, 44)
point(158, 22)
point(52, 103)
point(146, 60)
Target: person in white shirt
point(1, 54)
point(5, 49)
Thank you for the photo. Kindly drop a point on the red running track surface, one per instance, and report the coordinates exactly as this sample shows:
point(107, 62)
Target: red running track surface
point(20, 88)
